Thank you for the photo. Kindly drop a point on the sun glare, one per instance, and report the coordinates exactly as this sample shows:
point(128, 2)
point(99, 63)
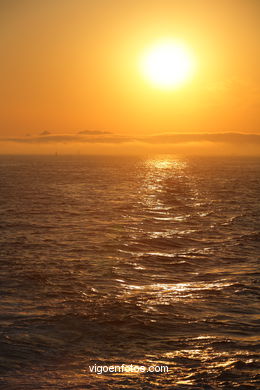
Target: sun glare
point(167, 64)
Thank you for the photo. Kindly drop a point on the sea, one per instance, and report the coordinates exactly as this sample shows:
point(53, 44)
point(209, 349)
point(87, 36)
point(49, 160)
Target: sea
point(135, 272)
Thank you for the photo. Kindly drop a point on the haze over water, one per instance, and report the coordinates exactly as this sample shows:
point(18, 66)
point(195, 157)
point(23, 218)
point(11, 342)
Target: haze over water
point(129, 260)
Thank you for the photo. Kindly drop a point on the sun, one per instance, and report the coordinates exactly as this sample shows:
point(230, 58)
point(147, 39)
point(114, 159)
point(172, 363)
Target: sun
point(167, 64)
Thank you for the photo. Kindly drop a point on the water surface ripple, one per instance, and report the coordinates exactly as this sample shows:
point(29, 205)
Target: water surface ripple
point(146, 261)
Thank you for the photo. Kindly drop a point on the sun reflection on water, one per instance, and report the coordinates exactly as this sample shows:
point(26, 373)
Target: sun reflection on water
point(166, 162)
point(151, 296)
point(159, 170)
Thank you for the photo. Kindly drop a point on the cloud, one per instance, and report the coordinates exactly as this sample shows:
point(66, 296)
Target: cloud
point(233, 138)
point(230, 138)
point(60, 138)
point(93, 132)
point(45, 132)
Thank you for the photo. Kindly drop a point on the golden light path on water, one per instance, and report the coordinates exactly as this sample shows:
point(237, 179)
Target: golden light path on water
point(159, 170)
point(152, 297)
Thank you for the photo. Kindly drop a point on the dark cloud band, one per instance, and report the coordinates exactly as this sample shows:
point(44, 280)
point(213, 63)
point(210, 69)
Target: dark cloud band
point(231, 138)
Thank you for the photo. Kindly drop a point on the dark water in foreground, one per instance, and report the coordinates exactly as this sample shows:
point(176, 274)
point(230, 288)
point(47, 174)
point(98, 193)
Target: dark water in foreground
point(145, 261)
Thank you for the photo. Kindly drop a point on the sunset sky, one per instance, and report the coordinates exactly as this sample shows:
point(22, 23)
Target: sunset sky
point(72, 76)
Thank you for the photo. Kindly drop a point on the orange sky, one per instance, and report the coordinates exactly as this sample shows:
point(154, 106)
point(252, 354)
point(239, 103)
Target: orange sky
point(69, 66)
